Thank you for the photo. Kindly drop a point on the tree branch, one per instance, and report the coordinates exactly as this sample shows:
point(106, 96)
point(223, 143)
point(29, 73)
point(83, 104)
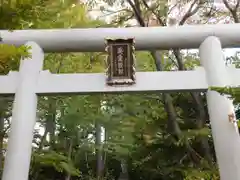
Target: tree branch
point(227, 5)
point(137, 13)
point(233, 11)
point(190, 12)
point(110, 12)
point(154, 13)
point(237, 5)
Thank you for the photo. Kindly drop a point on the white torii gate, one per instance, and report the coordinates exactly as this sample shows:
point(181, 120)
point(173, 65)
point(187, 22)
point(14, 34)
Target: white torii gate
point(31, 81)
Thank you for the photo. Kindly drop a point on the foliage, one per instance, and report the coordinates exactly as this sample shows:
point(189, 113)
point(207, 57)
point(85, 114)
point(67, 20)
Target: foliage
point(232, 92)
point(52, 159)
point(10, 57)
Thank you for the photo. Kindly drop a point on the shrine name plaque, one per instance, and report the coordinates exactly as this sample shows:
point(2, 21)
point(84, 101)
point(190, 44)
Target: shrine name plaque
point(120, 61)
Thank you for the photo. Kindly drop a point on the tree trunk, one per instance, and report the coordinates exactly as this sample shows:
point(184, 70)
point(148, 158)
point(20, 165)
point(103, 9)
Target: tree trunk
point(68, 177)
point(201, 120)
point(1, 140)
point(51, 121)
point(124, 172)
point(98, 151)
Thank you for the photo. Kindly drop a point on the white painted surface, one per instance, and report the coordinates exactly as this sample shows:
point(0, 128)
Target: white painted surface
point(82, 83)
point(234, 75)
point(17, 161)
point(147, 38)
point(145, 81)
point(9, 83)
point(225, 134)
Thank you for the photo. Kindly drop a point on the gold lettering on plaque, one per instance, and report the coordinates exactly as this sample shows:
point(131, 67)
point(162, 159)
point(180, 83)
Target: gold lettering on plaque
point(120, 61)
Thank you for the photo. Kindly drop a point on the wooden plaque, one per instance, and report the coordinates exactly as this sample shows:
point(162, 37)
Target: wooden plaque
point(120, 61)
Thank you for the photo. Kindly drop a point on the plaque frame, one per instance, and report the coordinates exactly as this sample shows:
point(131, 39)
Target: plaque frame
point(128, 62)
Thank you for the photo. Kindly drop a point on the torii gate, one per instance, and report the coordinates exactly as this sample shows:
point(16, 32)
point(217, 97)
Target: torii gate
point(31, 81)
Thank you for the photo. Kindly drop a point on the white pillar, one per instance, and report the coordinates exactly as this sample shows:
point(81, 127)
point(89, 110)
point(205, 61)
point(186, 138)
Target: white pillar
point(17, 162)
point(225, 134)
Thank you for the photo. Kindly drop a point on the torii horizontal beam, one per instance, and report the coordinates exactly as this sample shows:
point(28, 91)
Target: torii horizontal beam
point(88, 83)
point(146, 38)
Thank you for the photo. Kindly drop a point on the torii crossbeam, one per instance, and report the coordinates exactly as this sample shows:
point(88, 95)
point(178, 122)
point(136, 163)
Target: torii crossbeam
point(146, 38)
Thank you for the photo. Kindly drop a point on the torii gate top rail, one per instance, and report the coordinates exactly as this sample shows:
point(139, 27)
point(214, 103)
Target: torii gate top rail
point(92, 39)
